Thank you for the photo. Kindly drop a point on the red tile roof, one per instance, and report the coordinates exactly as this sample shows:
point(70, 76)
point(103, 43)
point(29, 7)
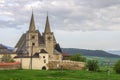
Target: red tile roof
point(66, 54)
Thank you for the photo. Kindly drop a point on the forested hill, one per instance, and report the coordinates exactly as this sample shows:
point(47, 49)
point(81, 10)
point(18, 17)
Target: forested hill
point(85, 52)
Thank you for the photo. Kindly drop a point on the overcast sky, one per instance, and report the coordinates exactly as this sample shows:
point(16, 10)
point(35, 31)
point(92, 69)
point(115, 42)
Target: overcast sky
point(85, 24)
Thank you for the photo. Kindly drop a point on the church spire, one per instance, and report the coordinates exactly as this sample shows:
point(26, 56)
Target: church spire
point(47, 26)
point(32, 23)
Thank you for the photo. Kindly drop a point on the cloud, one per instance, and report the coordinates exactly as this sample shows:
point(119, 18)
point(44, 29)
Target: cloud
point(84, 15)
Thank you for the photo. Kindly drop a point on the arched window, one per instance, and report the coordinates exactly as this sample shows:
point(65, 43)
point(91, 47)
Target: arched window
point(43, 68)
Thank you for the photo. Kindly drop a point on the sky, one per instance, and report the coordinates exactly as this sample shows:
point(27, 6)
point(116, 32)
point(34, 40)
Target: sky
point(84, 24)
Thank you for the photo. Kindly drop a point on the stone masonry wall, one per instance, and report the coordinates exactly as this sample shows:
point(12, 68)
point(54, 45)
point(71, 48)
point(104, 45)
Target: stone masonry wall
point(66, 64)
point(8, 66)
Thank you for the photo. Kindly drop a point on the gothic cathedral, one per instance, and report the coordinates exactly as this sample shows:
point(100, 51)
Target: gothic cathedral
point(33, 43)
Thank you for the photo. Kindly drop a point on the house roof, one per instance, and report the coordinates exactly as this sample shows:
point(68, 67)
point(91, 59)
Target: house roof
point(66, 54)
point(21, 45)
point(43, 51)
point(21, 40)
point(36, 55)
point(26, 57)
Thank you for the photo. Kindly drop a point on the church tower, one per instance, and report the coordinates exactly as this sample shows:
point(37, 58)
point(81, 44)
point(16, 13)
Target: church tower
point(32, 34)
point(48, 37)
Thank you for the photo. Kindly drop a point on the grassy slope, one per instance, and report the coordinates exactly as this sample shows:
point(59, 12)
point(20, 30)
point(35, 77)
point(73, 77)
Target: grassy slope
point(55, 75)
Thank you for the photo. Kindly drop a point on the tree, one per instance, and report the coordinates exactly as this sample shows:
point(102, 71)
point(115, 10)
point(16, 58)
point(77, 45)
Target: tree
point(78, 57)
point(92, 65)
point(7, 58)
point(117, 67)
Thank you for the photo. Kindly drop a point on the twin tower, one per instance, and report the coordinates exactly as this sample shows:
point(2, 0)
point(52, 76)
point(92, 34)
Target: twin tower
point(32, 43)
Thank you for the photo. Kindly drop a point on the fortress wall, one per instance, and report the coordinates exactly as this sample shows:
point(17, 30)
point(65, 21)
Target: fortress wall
point(66, 64)
point(8, 66)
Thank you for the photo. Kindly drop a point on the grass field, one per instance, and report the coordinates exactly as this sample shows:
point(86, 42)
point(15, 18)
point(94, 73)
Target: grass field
point(56, 75)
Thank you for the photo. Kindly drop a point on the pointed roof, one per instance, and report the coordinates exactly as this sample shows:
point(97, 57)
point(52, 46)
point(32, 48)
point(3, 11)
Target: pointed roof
point(43, 51)
point(47, 26)
point(21, 45)
point(21, 40)
point(32, 23)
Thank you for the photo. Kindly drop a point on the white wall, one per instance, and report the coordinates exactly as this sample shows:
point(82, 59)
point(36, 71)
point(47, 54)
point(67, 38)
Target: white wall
point(37, 63)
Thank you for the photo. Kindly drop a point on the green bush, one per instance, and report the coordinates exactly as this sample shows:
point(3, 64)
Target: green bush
point(117, 67)
point(7, 58)
point(92, 65)
point(78, 57)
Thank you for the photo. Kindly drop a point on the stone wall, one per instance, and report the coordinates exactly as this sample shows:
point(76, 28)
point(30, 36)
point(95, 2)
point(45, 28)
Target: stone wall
point(66, 64)
point(8, 66)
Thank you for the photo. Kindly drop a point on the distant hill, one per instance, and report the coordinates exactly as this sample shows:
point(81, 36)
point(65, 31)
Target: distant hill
point(85, 52)
point(4, 50)
point(117, 52)
point(8, 47)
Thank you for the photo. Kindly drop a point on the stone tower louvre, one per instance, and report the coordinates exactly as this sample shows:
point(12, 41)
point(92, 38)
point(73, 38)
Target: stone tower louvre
point(33, 43)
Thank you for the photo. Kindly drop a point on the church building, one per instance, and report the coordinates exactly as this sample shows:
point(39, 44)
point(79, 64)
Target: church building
point(35, 50)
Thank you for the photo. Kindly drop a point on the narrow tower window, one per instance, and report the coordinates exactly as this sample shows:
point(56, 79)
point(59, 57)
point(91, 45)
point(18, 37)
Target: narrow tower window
point(33, 44)
point(33, 37)
point(44, 61)
point(43, 56)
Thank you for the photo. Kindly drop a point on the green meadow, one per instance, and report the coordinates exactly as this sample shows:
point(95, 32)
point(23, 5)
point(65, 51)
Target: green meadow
point(57, 75)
